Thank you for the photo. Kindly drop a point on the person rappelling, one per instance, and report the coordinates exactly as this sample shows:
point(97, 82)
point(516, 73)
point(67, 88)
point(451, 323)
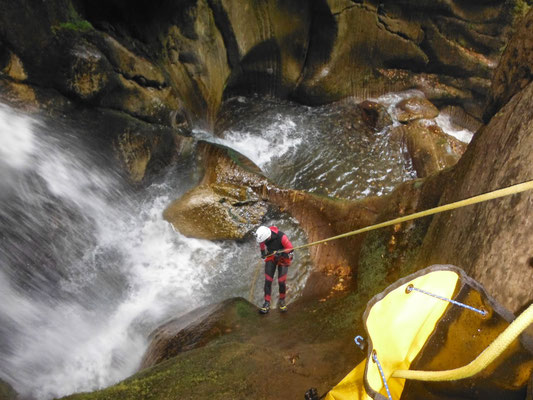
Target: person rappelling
point(276, 250)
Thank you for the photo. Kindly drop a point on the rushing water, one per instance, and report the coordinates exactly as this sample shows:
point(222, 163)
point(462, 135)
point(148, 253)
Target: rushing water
point(88, 267)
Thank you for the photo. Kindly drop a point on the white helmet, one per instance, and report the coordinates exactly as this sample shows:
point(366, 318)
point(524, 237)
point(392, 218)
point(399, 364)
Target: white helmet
point(263, 233)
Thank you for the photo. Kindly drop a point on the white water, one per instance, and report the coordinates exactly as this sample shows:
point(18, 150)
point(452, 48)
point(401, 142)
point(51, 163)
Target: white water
point(89, 269)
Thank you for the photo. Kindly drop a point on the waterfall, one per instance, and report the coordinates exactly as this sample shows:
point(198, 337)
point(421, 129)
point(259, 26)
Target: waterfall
point(88, 268)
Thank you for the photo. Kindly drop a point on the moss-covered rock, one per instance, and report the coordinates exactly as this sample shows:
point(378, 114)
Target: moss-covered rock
point(198, 328)
point(375, 115)
point(311, 345)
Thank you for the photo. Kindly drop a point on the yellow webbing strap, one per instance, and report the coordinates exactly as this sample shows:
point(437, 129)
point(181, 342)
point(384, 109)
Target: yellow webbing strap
point(482, 361)
point(521, 187)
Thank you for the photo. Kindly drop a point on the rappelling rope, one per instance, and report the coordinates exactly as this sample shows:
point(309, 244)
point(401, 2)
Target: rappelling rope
point(482, 361)
point(252, 289)
point(519, 188)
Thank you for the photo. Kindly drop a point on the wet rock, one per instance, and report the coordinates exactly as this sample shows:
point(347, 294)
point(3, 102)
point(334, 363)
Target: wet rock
point(375, 115)
point(141, 149)
point(492, 241)
point(89, 71)
point(390, 253)
point(430, 149)
point(415, 108)
point(515, 69)
point(7, 392)
point(13, 67)
point(195, 329)
point(216, 211)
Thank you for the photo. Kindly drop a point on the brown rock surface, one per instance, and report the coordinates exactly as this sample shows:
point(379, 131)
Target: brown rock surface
point(515, 69)
point(194, 329)
point(320, 217)
point(492, 241)
point(216, 211)
point(430, 149)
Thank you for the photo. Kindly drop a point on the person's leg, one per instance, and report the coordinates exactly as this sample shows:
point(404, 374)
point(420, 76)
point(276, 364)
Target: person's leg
point(282, 279)
point(270, 270)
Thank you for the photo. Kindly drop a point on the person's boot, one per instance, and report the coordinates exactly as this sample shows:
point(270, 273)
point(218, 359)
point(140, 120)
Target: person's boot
point(282, 306)
point(265, 308)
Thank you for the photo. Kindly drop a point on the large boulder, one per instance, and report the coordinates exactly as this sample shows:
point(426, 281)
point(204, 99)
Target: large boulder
point(195, 329)
point(216, 211)
point(430, 149)
point(319, 217)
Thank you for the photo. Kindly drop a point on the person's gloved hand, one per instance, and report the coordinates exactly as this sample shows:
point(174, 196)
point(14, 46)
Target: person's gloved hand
point(263, 254)
point(288, 255)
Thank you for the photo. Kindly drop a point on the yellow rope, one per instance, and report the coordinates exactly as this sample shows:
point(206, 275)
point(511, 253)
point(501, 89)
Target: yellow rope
point(521, 187)
point(482, 361)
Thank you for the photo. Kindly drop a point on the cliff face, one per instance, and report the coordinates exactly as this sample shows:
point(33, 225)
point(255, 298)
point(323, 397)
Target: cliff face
point(492, 240)
point(175, 62)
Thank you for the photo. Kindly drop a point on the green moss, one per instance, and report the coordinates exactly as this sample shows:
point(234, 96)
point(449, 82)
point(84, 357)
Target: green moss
point(521, 8)
point(81, 25)
point(373, 264)
point(195, 375)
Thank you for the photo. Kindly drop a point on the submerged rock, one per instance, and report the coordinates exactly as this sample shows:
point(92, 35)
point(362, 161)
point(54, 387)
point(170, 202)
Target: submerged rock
point(415, 108)
point(375, 115)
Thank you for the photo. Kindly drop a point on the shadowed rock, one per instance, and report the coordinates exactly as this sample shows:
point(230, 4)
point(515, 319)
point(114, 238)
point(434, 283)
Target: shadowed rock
point(515, 69)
